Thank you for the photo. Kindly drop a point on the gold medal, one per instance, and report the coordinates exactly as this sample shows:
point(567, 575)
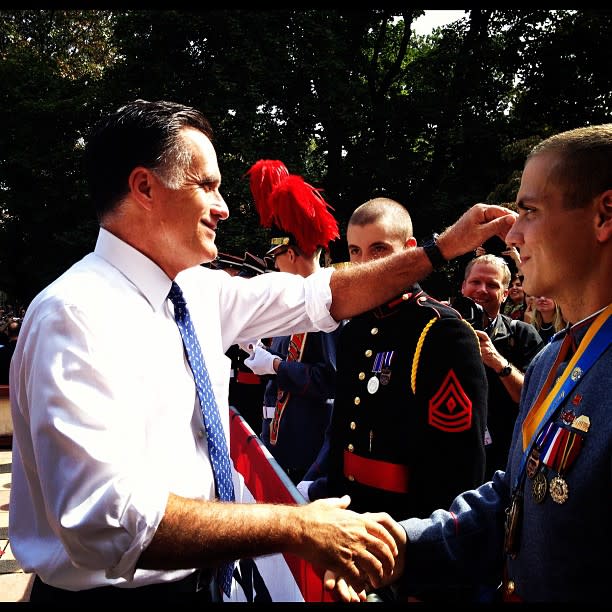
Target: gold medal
point(559, 490)
point(539, 488)
point(582, 423)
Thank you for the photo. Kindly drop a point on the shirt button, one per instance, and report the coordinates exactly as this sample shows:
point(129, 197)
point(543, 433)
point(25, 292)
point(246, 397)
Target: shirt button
point(357, 401)
point(361, 375)
point(201, 433)
point(368, 353)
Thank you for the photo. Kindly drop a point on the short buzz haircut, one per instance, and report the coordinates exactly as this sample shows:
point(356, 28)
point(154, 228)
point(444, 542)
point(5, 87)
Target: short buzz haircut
point(493, 260)
point(376, 209)
point(583, 168)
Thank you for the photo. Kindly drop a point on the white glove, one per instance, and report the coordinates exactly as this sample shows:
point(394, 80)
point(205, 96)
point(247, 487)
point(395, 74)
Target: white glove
point(261, 362)
point(303, 487)
point(249, 346)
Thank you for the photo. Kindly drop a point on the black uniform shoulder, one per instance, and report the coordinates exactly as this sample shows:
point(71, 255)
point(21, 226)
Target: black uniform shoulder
point(439, 309)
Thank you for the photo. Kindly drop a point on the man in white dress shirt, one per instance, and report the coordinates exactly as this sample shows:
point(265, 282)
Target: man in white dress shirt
point(113, 496)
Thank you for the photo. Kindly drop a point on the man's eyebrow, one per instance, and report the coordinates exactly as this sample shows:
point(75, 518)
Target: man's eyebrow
point(209, 179)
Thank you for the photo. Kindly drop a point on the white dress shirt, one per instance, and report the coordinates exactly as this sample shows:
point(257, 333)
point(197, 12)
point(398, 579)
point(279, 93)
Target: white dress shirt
point(106, 421)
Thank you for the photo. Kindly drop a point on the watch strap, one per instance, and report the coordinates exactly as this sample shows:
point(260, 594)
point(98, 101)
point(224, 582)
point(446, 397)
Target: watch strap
point(505, 371)
point(432, 250)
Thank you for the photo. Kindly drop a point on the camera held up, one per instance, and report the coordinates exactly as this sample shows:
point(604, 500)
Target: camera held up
point(472, 312)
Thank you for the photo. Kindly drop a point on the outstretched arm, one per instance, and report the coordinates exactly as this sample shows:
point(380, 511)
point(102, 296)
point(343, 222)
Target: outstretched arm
point(353, 286)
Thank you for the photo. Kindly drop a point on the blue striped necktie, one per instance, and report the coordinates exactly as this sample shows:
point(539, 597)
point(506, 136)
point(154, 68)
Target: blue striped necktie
point(217, 444)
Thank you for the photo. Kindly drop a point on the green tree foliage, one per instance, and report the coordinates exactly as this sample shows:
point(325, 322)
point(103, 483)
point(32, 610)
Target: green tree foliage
point(352, 100)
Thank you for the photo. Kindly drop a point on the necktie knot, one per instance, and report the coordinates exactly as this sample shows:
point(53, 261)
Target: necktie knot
point(176, 297)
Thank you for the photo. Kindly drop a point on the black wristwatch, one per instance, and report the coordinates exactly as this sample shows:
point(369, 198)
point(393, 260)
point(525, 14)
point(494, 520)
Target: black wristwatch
point(432, 250)
point(505, 371)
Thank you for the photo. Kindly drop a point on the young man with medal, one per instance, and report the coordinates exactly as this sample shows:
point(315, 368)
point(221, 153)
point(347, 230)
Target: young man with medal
point(407, 431)
point(540, 527)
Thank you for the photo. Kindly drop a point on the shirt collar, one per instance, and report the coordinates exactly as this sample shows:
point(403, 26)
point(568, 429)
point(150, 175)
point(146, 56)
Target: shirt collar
point(141, 271)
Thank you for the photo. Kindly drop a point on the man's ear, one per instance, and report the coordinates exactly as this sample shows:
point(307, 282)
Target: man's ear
point(140, 183)
point(292, 254)
point(603, 221)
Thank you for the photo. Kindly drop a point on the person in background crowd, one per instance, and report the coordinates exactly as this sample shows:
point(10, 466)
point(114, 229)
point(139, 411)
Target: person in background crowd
point(300, 368)
point(547, 318)
point(507, 347)
point(407, 430)
point(121, 491)
point(7, 350)
point(515, 304)
point(540, 529)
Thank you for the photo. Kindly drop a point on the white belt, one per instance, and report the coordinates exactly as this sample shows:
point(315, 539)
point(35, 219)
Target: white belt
point(268, 412)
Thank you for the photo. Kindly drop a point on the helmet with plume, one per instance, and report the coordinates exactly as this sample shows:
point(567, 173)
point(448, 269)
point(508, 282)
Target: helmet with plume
point(294, 210)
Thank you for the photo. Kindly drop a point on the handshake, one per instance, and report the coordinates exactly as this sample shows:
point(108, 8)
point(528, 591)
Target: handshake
point(260, 361)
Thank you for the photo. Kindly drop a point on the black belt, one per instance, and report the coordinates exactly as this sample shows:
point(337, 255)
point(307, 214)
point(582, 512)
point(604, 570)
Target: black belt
point(199, 586)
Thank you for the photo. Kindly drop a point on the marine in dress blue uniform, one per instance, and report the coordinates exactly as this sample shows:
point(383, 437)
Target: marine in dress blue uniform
point(409, 417)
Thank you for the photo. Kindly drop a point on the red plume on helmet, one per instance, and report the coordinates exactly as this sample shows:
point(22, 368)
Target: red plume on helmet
point(264, 176)
point(295, 210)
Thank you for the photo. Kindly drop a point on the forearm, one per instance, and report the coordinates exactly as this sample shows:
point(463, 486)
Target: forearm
point(196, 533)
point(514, 383)
point(356, 289)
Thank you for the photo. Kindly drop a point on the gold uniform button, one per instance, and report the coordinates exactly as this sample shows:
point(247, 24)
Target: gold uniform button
point(351, 448)
point(510, 587)
point(374, 331)
point(357, 401)
point(353, 425)
point(405, 296)
point(361, 375)
point(351, 477)
point(368, 353)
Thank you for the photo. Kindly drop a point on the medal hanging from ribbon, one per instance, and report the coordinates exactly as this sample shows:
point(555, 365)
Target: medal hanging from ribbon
point(295, 352)
point(539, 418)
point(382, 367)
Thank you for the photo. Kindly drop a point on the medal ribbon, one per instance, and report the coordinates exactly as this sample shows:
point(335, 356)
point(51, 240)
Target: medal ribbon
point(382, 360)
point(596, 340)
point(563, 450)
point(546, 404)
